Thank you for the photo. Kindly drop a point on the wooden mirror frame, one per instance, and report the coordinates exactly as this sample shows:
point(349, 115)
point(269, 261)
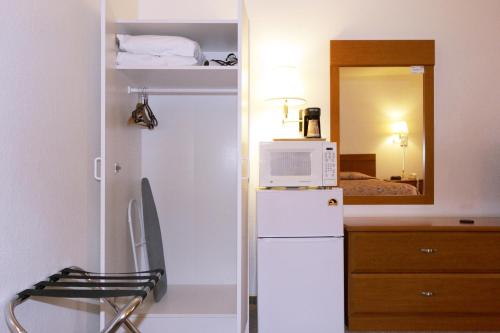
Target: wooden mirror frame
point(387, 53)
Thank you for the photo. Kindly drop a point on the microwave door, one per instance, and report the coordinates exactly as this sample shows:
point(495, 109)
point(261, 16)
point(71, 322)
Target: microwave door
point(316, 167)
point(291, 167)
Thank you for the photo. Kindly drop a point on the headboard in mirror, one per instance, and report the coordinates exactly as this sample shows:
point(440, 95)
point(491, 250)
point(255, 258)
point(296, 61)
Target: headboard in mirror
point(382, 102)
point(364, 163)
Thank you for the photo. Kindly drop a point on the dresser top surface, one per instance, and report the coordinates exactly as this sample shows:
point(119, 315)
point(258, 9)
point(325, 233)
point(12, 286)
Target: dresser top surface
point(421, 224)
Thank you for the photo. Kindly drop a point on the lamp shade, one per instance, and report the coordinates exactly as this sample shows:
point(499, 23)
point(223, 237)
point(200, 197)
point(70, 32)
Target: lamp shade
point(285, 85)
point(401, 127)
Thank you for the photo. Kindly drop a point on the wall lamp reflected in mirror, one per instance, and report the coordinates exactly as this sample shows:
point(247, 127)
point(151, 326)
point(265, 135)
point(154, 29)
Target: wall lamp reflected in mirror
point(400, 136)
point(400, 133)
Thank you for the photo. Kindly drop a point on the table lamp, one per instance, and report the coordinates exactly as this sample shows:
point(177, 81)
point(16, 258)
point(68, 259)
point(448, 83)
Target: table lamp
point(287, 89)
point(400, 131)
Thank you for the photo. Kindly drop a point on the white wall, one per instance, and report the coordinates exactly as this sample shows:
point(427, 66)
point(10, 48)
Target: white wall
point(49, 133)
point(188, 9)
point(296, 32)
point(123, 10)
point(178, 157)
point(467, 102)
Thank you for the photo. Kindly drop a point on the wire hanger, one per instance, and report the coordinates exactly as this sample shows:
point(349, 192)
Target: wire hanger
point(143, 115)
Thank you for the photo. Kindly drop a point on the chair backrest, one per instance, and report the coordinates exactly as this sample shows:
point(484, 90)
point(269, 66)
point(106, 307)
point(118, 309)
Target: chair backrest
point(137, 236)
point(154, 243)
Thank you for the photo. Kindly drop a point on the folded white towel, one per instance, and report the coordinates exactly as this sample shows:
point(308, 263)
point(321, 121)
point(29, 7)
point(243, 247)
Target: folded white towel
point(131, 59)
point(159, 45)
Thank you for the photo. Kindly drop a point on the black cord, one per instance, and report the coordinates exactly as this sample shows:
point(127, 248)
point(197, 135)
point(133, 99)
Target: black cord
point(231, 60)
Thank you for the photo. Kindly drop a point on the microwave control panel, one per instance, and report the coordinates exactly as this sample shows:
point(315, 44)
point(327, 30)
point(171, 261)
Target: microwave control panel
point(330, 164)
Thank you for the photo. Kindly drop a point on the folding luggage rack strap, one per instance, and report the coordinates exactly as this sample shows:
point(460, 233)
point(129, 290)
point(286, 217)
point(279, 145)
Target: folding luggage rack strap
point(73, 282)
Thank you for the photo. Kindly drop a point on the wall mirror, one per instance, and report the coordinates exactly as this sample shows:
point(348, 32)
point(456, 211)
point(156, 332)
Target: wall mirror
point(382, 116)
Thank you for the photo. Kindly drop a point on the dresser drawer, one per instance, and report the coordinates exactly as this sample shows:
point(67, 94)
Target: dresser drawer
point(424, 252)
point(427, 293)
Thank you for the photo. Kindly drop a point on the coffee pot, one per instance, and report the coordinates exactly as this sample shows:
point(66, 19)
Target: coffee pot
point(312, 126)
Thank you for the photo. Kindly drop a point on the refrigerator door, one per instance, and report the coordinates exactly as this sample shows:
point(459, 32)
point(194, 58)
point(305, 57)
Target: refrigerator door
point(299, 213)
point(300, 285)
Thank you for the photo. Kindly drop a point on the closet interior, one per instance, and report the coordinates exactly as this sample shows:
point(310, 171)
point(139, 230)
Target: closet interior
point(196, 160)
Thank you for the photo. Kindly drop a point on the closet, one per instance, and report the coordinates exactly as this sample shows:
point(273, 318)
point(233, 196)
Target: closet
point(197, 163)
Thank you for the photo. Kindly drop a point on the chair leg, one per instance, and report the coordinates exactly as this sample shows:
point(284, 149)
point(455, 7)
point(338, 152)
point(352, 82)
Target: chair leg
point(115, 307)
point(120, 318)
point(127, 322)
point(122, 315)
point(12, 323)
point(15, 327)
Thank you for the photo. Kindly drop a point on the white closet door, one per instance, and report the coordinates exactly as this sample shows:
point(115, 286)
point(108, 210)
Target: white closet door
point(120, 144)
point(121, 156)
point(243, 266)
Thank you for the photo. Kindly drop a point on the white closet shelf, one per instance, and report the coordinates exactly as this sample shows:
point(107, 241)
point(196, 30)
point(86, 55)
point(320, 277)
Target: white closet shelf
point(187, 77)
point(180, 68)
point(192, 301)
point(213, 36)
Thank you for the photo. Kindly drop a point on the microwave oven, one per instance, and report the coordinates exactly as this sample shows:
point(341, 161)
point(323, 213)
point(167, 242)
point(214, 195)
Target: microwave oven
point(297, 164)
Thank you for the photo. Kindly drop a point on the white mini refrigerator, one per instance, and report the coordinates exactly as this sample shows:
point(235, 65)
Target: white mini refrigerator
point(300, 261)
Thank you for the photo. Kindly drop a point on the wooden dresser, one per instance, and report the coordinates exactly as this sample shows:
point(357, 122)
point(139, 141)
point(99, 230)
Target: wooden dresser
point(422, 274)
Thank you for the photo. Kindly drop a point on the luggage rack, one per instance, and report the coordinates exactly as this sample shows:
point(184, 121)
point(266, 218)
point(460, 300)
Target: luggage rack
point(74, 282)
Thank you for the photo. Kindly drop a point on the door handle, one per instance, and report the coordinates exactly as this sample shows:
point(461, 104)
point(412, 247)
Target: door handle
point(97, 161)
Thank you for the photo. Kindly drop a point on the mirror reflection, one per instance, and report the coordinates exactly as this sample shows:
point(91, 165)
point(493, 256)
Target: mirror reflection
point(381, 131)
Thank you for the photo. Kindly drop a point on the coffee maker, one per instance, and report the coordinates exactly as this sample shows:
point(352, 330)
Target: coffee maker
point(312, 126)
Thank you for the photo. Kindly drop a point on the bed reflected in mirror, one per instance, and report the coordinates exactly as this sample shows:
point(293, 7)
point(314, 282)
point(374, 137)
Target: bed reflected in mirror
point(382, 131)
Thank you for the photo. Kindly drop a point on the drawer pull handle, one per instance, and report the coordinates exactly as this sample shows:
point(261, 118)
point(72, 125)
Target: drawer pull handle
point(428, 251)
point(427, 293)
